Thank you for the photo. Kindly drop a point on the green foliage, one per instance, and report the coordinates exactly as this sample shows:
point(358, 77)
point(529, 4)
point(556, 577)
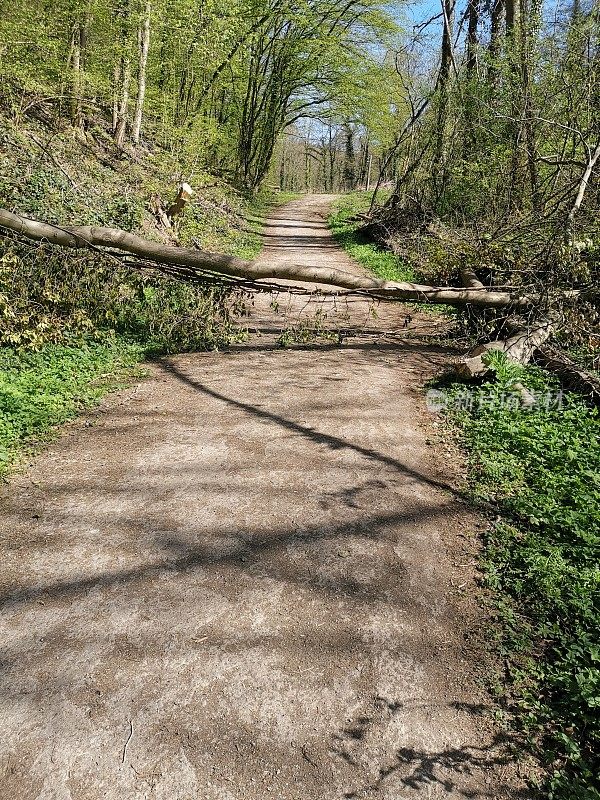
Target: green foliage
point(220, 85)
point(345, 229)
point(39, 390)
point(232, 224)
point(345, 226)
point(494, 171)
point(68, 316)
point(48, 296)
point(302, 57)
point(541, 469)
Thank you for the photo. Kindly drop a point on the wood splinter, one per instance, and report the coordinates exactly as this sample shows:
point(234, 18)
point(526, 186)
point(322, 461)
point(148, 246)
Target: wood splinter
point(184, 194)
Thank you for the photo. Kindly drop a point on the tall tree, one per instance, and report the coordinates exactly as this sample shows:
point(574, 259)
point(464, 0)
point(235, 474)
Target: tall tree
point(443, 89)
point(122, 73)
point(143, 46)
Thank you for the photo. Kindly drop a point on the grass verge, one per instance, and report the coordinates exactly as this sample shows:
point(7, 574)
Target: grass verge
point(231, 223)
point(345, 229)
point(42, 389)
point(539, 470)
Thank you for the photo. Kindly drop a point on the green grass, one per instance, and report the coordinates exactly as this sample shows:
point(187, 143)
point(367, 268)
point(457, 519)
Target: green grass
point(346, 232)
point(42, 389)
point(231, 224)
point(382, 263)
point(249, 243)
point(540, 470)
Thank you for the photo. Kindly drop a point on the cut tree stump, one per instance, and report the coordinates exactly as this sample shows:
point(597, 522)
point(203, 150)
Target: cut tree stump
point(519, 348)
point(184, 194)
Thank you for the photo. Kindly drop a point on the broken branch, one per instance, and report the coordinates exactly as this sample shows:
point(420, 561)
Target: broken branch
point(519, 349)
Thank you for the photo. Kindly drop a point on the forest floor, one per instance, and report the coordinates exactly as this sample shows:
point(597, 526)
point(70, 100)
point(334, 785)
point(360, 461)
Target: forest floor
point(252, 575)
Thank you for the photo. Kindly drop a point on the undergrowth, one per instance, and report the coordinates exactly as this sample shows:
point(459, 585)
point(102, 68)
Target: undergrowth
point(41, 389)
point(345, 223)
point(308, 331)
point(540, 469)
point(345, 229)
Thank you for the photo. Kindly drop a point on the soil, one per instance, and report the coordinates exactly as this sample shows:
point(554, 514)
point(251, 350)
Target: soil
point(251, 575)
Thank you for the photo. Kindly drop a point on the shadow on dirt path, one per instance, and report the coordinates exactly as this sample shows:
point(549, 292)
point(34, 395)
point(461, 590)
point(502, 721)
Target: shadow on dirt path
point(249, 576)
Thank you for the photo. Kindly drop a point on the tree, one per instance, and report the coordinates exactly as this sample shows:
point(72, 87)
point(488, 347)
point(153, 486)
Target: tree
point(297, 64)
point(443, 90)
point(122, 72)
point(349, 161)
point(143, 45)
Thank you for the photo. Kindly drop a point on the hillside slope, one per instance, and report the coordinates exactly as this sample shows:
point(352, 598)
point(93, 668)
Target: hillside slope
point(72, 323)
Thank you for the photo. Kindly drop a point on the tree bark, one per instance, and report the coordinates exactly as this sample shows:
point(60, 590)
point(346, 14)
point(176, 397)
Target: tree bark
point(472, 38)
point(184, 193)
point(527, 46)
point(143, 44)
point(585, 178)
point(122, 75)
point(511, 16)
point(471, 100)
point(447, 61)
point(519, 348)
point(76, 42)
point(349, 159)
point(494, 47)
point(115, 95)
point(571, 375)
point(123, 102)
point(469, 278)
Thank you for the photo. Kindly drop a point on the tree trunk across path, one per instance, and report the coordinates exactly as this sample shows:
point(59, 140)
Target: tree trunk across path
point(249, 576)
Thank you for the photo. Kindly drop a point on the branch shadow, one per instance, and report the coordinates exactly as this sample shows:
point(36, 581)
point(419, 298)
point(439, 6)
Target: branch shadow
point(180, 556)
point(370, 345)
point(329, 440)
point(458, 771)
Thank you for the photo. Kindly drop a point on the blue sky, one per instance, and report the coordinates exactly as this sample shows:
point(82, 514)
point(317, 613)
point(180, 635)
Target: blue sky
point(420, 10)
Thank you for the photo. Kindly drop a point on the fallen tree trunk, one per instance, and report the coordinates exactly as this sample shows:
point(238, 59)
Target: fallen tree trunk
point(189, 259)
point(519, 348)
point(570, 374)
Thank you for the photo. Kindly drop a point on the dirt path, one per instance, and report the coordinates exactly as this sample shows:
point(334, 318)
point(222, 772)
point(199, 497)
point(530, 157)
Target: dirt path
point(245, 578)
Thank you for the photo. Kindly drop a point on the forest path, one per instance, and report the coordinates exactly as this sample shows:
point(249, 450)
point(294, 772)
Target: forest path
point(246, 577)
